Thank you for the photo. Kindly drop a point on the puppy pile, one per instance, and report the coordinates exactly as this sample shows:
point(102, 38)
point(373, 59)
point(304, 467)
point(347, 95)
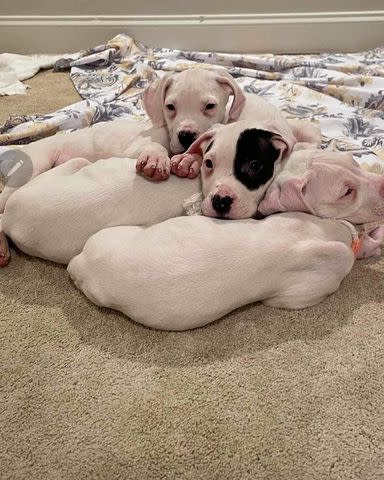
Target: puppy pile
point(130, 248)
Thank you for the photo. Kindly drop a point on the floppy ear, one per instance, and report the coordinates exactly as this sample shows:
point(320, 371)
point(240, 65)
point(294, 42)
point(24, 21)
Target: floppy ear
point(304, 131)
point(372, 240)
point(153, 99)
point(200, 143)
point(280, 144)
point(232, 87)
point(293, 190)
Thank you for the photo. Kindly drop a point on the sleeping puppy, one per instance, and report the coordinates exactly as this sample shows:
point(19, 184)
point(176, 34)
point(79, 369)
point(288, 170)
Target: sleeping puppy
point(328, 184)
point(325, 183)
point(189, 271)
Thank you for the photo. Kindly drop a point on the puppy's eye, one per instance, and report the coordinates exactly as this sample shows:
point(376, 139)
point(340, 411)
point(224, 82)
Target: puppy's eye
point(254, 167)
point(210, 106)
point(348, 192)
point(170, 107)
point(208, 163)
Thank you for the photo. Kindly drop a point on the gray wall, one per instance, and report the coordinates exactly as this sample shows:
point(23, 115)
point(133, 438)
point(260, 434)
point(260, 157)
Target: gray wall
point(180, 7)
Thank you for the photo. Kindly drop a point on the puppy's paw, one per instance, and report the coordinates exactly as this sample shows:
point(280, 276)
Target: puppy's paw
point(186, 165)
point(155, 166)
point(5, 254)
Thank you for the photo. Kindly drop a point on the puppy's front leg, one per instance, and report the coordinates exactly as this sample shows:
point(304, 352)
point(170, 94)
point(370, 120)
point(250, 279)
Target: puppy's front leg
point(154, 163)
point(65, 169)
point(186, 165)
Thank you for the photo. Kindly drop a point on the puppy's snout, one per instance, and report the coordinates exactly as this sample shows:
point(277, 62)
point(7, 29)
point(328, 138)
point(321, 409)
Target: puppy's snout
point(222, 205)
point(186, 138)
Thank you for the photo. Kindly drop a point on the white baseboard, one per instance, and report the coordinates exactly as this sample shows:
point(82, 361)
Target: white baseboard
point(275, 33)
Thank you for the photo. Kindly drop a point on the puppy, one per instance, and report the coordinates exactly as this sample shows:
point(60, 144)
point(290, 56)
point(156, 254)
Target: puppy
point(54, 215)
point(189, 271)
point(327, 184)
point(190, 102)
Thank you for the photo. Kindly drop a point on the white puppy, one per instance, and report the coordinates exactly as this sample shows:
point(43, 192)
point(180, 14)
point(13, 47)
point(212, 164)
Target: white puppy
point(190, 102)
point(327, 184)
point(189, 271)
point(54, 215)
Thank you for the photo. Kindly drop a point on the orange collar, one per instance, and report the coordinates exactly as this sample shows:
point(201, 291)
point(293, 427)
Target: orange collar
point(356, 245)
point(357, 239)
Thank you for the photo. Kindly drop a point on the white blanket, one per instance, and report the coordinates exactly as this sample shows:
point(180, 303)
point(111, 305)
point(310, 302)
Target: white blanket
point(14, 68)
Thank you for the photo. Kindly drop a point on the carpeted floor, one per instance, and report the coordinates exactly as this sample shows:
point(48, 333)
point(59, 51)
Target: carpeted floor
point(262, 394)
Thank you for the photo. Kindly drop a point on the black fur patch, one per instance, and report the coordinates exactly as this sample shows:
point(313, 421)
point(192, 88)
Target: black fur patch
point(255, 158)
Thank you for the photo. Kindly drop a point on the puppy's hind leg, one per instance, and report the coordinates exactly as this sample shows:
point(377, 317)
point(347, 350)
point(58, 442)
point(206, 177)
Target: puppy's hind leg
point(19, 166)
point(68, 168)
point(321, 267)
point(4, 195)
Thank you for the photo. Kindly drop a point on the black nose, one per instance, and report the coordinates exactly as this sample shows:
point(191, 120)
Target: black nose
point(222, 205)
point(186, 138)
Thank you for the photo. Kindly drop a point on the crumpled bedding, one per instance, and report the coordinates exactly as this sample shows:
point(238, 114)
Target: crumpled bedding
point(343, 92)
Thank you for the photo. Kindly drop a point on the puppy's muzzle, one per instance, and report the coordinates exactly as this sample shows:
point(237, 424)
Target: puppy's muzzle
point(186, 138)
point(222, 205)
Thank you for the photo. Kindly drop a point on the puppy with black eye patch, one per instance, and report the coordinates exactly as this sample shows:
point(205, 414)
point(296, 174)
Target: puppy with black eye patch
point(239, 162)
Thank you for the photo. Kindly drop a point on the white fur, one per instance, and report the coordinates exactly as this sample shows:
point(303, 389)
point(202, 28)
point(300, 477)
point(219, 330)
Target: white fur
point(53, 216)
point(318, 181)
point(189, 271)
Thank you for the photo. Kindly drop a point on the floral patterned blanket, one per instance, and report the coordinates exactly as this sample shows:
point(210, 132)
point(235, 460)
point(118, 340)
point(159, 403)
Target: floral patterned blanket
point(343, 92)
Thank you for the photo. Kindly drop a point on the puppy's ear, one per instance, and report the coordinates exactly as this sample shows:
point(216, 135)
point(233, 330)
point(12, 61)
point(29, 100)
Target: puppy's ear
point(283, 146)
point(153, 99)
point(304, 131)
point(199, 145)
point(294, 191)
point(232, 87)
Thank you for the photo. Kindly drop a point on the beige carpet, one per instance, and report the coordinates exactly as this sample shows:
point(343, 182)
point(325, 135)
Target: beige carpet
point(262, 394)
